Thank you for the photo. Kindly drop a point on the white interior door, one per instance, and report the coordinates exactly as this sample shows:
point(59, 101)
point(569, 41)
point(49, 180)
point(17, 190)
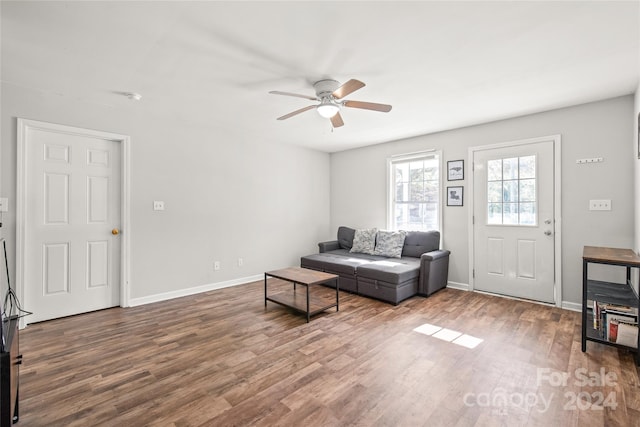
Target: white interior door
point(514, 220)
point(71, 207)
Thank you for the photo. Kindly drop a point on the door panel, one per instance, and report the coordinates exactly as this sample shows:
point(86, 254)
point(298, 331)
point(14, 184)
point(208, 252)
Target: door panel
point(513, 227)
point(55, 268)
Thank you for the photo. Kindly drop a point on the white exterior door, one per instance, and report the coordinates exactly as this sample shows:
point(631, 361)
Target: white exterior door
point(72, 220)
point(514, 220)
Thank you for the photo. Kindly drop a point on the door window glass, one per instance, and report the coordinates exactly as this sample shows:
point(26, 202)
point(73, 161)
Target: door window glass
point(511, 191)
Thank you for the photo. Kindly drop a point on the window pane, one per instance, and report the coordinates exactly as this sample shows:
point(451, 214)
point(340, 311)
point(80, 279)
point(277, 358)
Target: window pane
point(528, 190)
point(510, 168)
point(494, 214)
point(527, 167)
point(510, 191)
point(417, 191)
point(416, 171)
point(430, 216)
point(401, 192)
point(402, 172)
point(510, 213)
point(415, 215)
point(494, 170)
point(431, 173)
point(528, 214)
point(494, 191)
point(431, 190)
point(401, 215)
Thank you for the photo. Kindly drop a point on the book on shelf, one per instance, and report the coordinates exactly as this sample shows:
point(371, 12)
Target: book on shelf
point(616, 323)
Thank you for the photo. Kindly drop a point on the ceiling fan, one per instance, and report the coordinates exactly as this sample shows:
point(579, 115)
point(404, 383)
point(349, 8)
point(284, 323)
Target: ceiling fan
point(330, 93)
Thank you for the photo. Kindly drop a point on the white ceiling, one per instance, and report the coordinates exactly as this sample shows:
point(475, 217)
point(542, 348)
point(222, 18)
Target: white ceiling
point(442, 65)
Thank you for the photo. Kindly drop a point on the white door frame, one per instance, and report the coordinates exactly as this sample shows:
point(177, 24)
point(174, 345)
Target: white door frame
point(557, 211)
point(24, 125)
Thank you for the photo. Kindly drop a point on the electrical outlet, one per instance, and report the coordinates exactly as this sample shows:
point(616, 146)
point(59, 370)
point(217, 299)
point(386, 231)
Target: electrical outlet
point(4, 204)
point(240, 262)
point(599, 205)
point(216, 265)
point(158, 205)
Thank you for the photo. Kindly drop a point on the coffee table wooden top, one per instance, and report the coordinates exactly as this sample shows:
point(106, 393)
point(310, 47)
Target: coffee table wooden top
point(303, 276)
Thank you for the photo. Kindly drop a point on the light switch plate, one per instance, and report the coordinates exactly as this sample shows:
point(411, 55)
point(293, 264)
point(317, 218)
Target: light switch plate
point(158, 205)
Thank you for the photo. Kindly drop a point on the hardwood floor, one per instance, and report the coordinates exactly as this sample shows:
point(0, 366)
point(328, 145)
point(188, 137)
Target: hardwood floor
point(222, 359)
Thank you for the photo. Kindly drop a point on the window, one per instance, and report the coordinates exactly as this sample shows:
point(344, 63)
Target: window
point(511, 191)
point(414, 192)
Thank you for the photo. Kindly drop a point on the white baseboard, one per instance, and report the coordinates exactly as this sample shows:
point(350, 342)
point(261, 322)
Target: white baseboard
point(456, 285)
point(573, 306)
point(192, 291)
point(567, 305)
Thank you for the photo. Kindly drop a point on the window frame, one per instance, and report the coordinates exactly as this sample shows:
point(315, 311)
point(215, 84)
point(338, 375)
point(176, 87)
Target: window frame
point(403, 158)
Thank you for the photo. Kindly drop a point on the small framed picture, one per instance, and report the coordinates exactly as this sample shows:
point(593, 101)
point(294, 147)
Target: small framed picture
point(455, 196)
point(455, 170)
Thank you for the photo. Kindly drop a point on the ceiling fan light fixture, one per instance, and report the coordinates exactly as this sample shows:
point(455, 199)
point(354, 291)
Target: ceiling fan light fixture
point(327, 109)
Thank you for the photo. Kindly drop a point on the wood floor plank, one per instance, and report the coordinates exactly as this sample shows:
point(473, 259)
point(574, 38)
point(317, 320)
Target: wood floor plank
point(222, 359)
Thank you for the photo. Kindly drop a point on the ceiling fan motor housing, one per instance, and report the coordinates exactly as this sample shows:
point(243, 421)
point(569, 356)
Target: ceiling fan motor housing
point(324, 88)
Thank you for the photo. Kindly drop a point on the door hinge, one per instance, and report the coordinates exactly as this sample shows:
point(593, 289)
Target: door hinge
point(473, 273)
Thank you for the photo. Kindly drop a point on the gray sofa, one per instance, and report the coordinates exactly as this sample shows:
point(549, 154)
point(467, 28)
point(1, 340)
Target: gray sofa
point(421, 270)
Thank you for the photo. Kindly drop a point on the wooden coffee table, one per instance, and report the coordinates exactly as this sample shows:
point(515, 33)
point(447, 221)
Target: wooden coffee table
point(301, 301)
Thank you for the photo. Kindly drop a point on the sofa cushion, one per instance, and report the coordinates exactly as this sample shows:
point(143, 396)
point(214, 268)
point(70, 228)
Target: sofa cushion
point(417, 243)
point(390, 243)
point(345, 237)
point(392, 271)
point(364, 241)
point(338, 261)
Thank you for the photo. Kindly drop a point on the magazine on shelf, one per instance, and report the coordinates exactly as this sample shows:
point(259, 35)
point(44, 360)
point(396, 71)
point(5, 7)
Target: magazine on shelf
point(614, 319)
point(627, 335)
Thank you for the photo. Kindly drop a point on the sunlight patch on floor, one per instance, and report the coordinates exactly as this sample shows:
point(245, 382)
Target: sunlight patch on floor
point(449, 335)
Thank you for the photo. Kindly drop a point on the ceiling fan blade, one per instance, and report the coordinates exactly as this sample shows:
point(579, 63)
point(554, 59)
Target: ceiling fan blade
point(385, 108)
point(277, 92)
point(293, 113)
point(347, 88)
point(336, 120)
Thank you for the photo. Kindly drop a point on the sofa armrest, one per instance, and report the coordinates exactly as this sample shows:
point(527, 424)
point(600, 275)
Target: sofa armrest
point(434, 271)
point(331, 245)
point(433, 255)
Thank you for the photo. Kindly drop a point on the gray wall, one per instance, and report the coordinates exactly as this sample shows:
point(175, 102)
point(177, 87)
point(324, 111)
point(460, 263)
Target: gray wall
point(228, 198)
point(599, 129)
point(225, 197)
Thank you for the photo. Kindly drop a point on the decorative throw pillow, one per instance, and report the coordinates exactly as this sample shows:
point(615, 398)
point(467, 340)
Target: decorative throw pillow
point(390, 243)
point(364, 241)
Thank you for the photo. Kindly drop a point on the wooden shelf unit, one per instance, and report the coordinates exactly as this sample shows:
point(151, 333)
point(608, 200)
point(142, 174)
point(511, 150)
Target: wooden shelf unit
point(607, 292)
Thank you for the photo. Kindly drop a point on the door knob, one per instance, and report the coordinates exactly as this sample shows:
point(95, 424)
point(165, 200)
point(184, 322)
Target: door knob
point(547, 233)
point(115, 231)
